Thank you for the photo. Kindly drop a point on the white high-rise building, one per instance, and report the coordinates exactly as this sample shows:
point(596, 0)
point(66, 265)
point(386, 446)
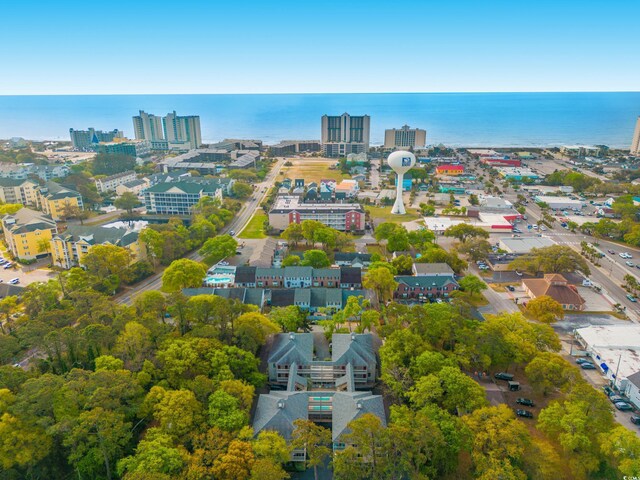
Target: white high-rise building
point(344, 134)
point(182, 129)
point(147, 127)
point(404, 137)
point(635, 144)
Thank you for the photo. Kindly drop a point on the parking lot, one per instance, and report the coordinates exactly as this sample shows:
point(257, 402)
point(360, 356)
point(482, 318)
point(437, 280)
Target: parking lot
point(25, 275)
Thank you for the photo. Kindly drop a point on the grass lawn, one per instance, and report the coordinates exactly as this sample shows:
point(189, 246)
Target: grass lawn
point(312, 170)
point(254, 230)
point(384, 214)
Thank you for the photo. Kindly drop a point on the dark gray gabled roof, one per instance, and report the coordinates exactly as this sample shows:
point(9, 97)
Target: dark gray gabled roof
point(292, 347)
point(245, 274)
point(353, 348)
point(326, 273)
point(282, 297)
point(277, 411)
point(99, 235)
point(348, 406)
point(635, 379)
point(351, 275)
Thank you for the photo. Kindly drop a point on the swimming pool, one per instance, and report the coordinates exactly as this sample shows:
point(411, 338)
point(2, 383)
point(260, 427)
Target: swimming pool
point(218, 280)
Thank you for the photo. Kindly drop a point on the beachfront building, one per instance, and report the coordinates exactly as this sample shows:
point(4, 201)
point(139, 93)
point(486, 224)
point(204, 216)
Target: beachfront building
point(18, 191)
point(178, 197)
point(56, 200)
point(405, 137)
point(349, 217)
point(581, 150)
point(28, 233)
point(110, 183)
point(635, 143)
point(182, 129)
point(132, 148)
point(69, 247)
point(147, 127)
point(86, 139)
point(293, 147)
point(450, 170)
point(345, 134)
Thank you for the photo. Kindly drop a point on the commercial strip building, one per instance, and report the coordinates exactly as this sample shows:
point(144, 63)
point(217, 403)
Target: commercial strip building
point(499, 161)
point(345, 134)
point(85, 140)
point(522, 245)
point(287, 209)
point(110, 183)
point(450, 170)
point(28, 233)
point(615, 349)
point(517, 173)
point(293, 147)
point(69, 247)
point(330, 391)
point(405, 137)
point(559, 203)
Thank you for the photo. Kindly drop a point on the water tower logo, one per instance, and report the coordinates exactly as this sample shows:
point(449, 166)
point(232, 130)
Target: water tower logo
point(401, 162)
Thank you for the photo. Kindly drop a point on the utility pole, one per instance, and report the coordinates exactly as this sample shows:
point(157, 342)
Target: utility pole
point(615, 380)
point(573, 337)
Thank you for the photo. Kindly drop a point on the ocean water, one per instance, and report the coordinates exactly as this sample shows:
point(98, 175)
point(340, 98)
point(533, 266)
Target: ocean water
point(457, 119)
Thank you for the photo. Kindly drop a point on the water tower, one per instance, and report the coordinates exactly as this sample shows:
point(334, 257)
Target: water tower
point(401, 162)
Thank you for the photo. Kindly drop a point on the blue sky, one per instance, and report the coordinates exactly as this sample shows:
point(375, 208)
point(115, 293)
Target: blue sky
point(79, 47)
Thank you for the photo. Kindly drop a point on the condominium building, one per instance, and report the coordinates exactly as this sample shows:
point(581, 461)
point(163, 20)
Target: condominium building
point(69, 247)
point(86, 139)
point(110, 183)
point(289, 209)
point(292, 147)
point(635, 144)
point(54, 199)
point(133, 148)
point(182, 129)
point(147, 127)
point(28, 233)
point(405, 137)
point(18, 191)
point(22, 171)
point(344, 134)
point(178, 198)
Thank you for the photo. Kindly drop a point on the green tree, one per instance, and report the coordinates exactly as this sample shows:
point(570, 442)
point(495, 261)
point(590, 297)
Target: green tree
point(382, 282)
point(549, 372)
point(153, 242)
point(106, 260)
point(472, 284)
point(622, 445)
point(155, 454)
point(110, 164)
point(96, 440)
point(476, 249)
point(270, 445)
point(315, 259)
point(224, 412)
point(314, 440)
point(218, 248)
point(464, 231)
point(241, 190)
point(293, 233)
point(134, 345)
point(545, 309)
point(403, 264)
point(438, 255)
point(289, 318)
point(178, 412)
point(183, 273)
point(127, 201)
point(309, 228)
point(291, 261)
point(553, 259)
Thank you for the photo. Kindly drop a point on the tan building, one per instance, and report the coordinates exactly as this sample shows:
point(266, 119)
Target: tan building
point(28, 233)
point(405, 137)
point(18, 191)
point(54, 198)
point(635, 144)
point(68, 248)
point(555, 286)
point(134, 186)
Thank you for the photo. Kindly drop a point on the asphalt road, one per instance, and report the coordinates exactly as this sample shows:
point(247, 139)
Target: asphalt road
point(237, 224)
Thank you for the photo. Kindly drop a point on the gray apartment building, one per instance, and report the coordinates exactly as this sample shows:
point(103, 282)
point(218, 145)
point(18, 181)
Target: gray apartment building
point(345, 134)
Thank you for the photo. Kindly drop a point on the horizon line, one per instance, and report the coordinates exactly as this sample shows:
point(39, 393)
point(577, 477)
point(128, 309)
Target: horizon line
point(318, 93)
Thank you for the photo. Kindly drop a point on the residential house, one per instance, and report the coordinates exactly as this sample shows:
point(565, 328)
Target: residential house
point(352, 259)
point(54, 200)
point(350, 277)
point(28, 233)
point(555, 286)
point(69, 247)
point(326, 277)
point(424, 287)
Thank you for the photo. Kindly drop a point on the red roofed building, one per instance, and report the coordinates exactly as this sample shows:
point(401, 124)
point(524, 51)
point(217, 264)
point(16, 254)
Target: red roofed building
point(449, 170)
point(502, 162)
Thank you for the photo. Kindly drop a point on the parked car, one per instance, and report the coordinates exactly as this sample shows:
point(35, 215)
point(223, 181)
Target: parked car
point(587, 366)
point(511, 288)
point(623, 406)
point(519, 273)
point(232, 233)
point(616, 398)
point(14, 281)
point(524, 413)
point(580, 361)
point(525, 401)
point(631, 298)
point(612, 252)
point(504, 376)
point(635, 419)
point(543, 228)
point(608, 391)
point(8, 265)
point(629, 264)
point(2, 261)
